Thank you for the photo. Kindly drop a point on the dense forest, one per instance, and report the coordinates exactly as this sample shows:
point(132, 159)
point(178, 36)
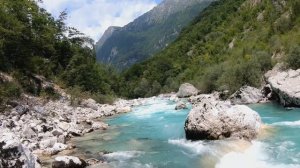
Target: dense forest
point(32, 43)
point(232, 43)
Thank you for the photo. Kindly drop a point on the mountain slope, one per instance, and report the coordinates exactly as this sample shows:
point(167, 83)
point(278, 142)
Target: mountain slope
point(148, 34)
point(231, 44)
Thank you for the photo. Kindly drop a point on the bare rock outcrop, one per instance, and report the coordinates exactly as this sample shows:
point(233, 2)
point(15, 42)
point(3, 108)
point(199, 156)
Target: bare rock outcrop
point(247, 95)
point(285, 85)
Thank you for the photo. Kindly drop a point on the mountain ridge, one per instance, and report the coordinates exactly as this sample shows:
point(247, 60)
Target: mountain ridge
point(230, 44)
point(148, 34)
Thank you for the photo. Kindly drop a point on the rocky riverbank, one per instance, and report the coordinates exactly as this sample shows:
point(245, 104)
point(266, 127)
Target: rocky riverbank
point(35, 127)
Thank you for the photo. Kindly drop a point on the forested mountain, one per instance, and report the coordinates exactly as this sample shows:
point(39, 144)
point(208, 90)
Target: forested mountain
point(33, 43)
point(151, 32)
point(231, 43)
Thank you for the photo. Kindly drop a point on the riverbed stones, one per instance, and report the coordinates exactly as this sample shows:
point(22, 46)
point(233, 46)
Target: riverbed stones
point(125, 109)
point(43, 126)
point(285, 84)
point(28, 133)
point(15, 155)
point(187, 90)
point(99, 125)
point(212, 119)
point(68, 162)
point(90, 103)
point(247, 95)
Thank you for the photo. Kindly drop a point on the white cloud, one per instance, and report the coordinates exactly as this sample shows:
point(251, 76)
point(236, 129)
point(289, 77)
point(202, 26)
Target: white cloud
point(93, 17)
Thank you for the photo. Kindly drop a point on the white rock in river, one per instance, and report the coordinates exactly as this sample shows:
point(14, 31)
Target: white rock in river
point(212, 119)
point(246, 95)
point(174, 98)
point(286, 85)
point(187, 90)
point(99, 125)
point(68, 162)
point(125, 109)
point(180, 105)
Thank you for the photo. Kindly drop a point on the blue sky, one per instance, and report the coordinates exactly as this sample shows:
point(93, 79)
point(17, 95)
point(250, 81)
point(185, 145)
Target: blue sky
point(93, 17)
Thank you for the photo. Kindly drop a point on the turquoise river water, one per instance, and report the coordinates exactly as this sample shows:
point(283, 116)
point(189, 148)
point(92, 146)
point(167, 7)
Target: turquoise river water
point(153, 136)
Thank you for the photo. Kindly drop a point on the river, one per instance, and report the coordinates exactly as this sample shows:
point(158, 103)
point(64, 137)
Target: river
point(153, 136)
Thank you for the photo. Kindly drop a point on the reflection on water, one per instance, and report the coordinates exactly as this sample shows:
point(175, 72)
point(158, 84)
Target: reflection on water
point(153, 136)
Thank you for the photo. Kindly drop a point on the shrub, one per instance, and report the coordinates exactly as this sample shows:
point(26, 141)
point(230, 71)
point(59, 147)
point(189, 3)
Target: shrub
point(8, 90)
point(293, 58)
point(103, 99)
point(49, 93)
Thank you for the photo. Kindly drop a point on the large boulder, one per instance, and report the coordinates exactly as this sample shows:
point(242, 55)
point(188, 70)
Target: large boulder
point(212, 119)
point(68, 162)
point(285, 85)
point(181, 105)
point(187, 90)
point(247, 95)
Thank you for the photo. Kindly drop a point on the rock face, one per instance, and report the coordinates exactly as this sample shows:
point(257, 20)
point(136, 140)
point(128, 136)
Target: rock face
point(212, 119)
point(68, 162)
point(246, 95)
point(285, 85)
point(187, 90)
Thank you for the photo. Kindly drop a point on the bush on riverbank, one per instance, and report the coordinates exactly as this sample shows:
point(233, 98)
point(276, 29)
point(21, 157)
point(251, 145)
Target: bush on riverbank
point(8, 91)
point(293, 58)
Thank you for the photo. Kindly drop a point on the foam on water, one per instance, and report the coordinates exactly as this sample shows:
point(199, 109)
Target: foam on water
point(287, 123)
point(255, 156)
point(196, 147)
point(123, 155)
point(152, 107)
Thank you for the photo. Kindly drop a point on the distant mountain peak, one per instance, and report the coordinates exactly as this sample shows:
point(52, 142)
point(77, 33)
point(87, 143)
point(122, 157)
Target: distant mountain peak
point(106, 35)
point(148, 34)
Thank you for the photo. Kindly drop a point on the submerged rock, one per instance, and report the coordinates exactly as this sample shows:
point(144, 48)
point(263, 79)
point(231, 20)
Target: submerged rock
point(99, 125)
point(68, 162)
point(285, 85)
point(246, 95)
point(180, 105)
point(187, 90)
point(211, 119)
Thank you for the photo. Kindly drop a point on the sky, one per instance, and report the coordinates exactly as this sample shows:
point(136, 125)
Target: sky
point(93, 17)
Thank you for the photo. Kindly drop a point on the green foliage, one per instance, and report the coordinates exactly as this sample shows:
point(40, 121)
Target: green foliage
point(201, 55)
point(49, 93)
point(33, 42)
point(8, 91)
point(78, 94)
point(293, 58)
point(146, 36)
